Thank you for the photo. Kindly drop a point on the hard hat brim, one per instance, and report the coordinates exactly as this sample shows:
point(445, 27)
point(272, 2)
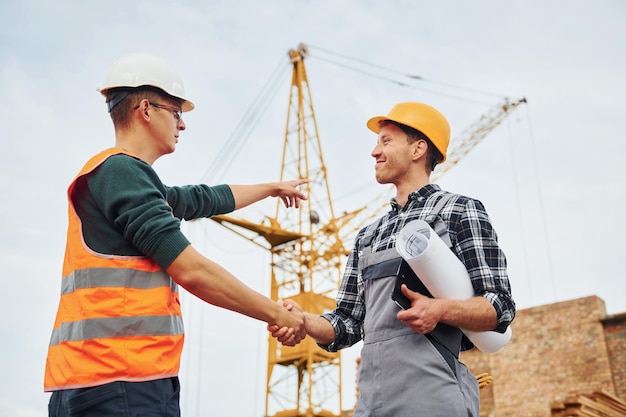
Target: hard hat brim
point(373, 124)
point(186, 105)
point(439, 142)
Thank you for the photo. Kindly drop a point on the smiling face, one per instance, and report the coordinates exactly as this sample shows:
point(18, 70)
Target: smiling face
point(393, 154)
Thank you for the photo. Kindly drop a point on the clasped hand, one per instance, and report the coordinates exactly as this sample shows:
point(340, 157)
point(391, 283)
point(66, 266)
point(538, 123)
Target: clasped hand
point(288, 336)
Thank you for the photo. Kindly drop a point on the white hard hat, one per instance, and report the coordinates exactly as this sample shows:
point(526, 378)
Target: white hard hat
point(139, 69)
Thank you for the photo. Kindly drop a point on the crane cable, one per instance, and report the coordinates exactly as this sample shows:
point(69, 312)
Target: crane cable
point(518, 200)
point(542, 213)
point(403, 74)
point(245, 127)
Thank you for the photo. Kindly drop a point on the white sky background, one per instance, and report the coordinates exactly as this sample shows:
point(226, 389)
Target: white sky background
point(550, 176)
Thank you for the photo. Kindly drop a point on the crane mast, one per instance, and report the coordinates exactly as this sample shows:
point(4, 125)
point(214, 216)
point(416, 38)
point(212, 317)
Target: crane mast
point(309, 271)
point(307, 259)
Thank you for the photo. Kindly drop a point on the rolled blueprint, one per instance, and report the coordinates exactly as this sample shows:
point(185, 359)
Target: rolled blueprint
point(443, 274)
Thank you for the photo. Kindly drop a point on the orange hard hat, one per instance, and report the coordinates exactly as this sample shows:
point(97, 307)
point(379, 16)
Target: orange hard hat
point(419, 116)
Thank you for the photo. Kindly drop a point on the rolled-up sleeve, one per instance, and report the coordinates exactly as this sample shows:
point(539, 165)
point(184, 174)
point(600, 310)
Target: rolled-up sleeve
point(477, 247)
point(347, 318)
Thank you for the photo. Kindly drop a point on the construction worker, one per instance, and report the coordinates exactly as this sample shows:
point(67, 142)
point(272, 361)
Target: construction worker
point(409, 360)
point(118, 335)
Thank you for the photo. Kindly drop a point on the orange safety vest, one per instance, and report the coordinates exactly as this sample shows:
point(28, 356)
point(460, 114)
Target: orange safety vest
point(119, 317)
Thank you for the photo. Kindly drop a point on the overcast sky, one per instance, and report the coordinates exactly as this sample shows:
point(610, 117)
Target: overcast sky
point(550, 175)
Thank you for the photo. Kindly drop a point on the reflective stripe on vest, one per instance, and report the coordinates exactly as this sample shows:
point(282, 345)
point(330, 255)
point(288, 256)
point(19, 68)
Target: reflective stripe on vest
point(119, 317)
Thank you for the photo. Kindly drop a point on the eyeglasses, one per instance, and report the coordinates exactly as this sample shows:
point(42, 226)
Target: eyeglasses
point(178, 113)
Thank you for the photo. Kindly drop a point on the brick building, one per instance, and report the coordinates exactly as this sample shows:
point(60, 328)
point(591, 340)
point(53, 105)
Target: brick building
point(556, 349)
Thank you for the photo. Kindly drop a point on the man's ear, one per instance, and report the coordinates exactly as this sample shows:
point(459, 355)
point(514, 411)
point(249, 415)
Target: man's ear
point(143, 106)
point(420, 148)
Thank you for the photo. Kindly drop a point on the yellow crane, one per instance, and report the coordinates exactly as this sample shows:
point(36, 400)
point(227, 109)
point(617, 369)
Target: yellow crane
point(308, 252)
point(307, 259)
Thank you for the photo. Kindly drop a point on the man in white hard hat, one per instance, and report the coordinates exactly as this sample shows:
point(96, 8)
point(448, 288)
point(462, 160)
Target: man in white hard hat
point(409, 361)
point(118, 335)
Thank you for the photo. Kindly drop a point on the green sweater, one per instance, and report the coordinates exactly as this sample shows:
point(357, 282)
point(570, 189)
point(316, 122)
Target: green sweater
point(125, 209)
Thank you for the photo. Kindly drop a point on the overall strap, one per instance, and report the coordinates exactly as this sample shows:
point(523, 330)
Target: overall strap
point(437, 223)
point(447, 339)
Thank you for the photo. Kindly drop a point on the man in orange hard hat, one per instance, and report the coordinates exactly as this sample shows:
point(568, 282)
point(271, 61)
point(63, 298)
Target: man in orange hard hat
point(409, 361)
point(118, 335)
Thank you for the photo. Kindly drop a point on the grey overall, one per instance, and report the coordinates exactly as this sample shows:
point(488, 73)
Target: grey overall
point(403, 373)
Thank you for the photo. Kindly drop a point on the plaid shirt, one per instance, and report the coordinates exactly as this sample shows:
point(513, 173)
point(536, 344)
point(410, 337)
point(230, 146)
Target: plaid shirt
point(474, 242)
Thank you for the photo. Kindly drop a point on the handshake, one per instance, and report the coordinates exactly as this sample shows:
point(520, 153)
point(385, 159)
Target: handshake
point(293, 327)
